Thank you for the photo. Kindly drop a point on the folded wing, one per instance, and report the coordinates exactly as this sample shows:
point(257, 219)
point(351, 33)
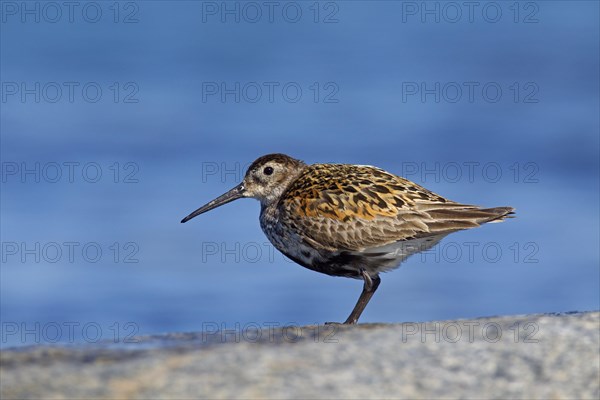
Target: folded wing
point(355, 208)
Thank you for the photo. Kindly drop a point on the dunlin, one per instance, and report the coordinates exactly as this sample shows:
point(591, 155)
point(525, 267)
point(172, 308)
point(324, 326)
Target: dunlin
point(349, 220)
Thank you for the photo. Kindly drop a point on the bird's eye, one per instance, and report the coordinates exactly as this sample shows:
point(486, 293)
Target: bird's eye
point(268, 170)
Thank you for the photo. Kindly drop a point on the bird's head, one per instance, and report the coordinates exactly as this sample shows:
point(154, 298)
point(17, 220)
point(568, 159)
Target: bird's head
point(266, 179)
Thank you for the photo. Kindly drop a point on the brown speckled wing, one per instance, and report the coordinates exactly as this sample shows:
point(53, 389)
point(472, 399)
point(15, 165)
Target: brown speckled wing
point(353, 207)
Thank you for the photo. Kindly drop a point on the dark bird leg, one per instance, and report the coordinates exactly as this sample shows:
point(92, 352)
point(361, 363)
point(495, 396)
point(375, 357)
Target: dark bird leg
point(370, 286)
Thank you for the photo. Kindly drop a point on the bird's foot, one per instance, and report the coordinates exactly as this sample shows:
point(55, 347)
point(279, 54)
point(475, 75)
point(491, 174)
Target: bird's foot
point(341, 323)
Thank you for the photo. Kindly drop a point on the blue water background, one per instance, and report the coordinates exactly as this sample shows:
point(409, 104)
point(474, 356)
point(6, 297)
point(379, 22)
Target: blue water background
point(183, 150)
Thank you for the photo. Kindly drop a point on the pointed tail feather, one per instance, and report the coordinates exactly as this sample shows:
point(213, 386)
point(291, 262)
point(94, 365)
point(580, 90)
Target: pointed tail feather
point(471, 213)
point(449, 219)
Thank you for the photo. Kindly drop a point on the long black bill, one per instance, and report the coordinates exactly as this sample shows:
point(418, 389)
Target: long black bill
point(234, 194)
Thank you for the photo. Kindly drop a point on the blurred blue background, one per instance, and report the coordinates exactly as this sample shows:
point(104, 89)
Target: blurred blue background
point(352, 82)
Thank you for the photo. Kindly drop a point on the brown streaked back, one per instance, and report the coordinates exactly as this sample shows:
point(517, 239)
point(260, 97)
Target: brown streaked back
point(355, 207)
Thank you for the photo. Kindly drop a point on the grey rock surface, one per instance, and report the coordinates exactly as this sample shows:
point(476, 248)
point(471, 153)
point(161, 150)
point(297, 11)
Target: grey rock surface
point(553, 356)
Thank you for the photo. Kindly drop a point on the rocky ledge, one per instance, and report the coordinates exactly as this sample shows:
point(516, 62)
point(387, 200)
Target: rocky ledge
point(550, 356)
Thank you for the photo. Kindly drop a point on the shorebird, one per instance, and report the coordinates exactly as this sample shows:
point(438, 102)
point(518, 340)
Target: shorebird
point(349, 220)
